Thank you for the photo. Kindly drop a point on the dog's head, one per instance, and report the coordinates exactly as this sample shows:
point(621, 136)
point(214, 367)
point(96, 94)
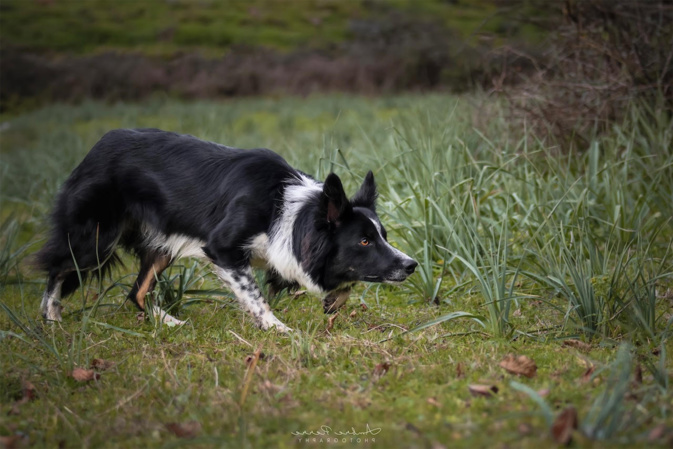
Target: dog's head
point(360, 248)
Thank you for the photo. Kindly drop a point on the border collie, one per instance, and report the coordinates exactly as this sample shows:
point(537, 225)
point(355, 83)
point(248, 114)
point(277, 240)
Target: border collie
point(164, 196)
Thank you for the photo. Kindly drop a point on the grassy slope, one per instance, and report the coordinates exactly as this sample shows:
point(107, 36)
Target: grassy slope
point(314, 377)
point(166, 27)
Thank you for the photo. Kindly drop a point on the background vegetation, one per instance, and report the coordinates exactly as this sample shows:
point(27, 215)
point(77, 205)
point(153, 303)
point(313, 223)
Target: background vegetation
point(536, 248)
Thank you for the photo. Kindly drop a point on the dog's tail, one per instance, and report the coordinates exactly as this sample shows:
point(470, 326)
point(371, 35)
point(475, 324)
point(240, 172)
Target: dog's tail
point(74, 256)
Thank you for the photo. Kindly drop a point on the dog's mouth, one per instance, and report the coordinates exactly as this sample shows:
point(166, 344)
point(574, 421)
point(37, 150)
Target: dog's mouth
point(391, 279)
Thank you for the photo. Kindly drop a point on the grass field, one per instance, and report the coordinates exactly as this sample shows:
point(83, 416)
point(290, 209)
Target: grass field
point(524, 249)
point(213, 27)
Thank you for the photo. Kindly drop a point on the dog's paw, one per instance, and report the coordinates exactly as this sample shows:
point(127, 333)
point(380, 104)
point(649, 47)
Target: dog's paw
point(271, 322)
point(166, 318)
point(53, 313)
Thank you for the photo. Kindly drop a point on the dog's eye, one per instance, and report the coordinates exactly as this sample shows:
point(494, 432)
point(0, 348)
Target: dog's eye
point(364, 241)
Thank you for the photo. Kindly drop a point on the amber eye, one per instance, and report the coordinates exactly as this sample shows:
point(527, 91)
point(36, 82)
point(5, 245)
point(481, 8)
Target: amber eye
point(364, 241)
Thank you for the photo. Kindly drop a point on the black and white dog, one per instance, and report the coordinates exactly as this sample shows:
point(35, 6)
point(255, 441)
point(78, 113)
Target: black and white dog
point(164, 196)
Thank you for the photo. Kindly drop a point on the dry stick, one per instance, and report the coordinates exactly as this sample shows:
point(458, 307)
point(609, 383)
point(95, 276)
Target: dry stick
point(248, 375)
point(240, 338)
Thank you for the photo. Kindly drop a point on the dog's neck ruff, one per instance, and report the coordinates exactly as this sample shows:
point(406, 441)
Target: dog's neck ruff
point(279, 248)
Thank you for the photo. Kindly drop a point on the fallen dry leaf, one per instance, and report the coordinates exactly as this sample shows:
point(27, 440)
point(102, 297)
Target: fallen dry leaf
point(525, 429)
point(298, 293)
point(577, 344)
point(483, 390)
point(521, 365)
point(544, 392)
point(9, 442)
point(84, 375)
point(101, 364)
point(189, 429)
point(381, 369)
point(251, 357)
point(460, 372)
point(353, 314)
point(638, 375)
point(27, 390)
point(564, 425)
point(27, 394)
point(330, 321)
point(586, 377)
point(656, 433)
point(363, 306)
point(433, 401)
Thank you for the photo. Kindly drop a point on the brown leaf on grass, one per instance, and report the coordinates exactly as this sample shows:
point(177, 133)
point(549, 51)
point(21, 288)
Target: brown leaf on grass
point(586, 377)
point(577, 344)
point(638, 375)
point(27, 394)
point(363, 306)
point(656, 433)
point(483, 390)
point(330, 321)
point(84, 375)
point(27, 390)
point(544, 392)
point(189, 429)
point(101, 364)
point(564, 425)
point(435, 402)
point(380, 370)
point(10, 442)
point(520, 365)
point(525, 429)
point(353, 314)
point(298, 293)
point(460, 372)
point(249, 358)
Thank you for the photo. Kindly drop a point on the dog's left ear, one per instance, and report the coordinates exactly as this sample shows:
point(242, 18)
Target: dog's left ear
point(366, 196)
point(334, 204)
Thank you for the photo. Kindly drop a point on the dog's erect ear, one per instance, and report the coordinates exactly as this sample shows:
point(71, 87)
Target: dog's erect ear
point(366, 196)
point(333, 202)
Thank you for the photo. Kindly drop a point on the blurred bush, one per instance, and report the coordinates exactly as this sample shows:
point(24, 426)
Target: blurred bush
point(601, 56)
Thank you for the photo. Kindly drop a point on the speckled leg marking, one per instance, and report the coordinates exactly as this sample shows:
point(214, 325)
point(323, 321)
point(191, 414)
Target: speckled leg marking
point(248, 295)
point(335, 300)
point(51, 301)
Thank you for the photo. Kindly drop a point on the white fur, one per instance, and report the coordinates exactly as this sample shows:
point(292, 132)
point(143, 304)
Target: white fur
point(377, 226)
point(175, 245)
point(277, 249)
point(51, 303)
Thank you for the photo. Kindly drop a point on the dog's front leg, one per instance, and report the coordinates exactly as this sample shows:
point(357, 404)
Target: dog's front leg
point(248, 295)
point(335, 299)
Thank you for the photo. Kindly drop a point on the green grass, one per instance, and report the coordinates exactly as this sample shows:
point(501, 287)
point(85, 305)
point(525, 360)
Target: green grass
point(212, 27)
point(533, 244)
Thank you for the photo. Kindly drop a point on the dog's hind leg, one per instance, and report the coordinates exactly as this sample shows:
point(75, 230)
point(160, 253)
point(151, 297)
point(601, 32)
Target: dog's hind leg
point(242, 284)
point(152, 264)
point(51, 300)
point(59, 286)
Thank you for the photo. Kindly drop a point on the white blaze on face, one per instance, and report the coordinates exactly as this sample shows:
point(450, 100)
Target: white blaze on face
point(395, 251)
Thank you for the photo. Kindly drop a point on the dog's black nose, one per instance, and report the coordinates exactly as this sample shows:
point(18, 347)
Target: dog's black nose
point(410, 265)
